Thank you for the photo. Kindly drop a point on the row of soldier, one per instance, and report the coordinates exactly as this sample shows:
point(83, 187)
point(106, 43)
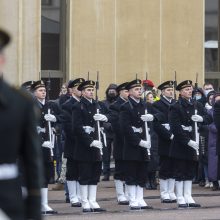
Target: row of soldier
point(133, 121)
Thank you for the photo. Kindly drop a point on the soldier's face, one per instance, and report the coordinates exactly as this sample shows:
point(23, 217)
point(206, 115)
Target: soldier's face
point(186, 92)
point(40, 93)
point(124, 94)
point(76, 92)
point(168, 92)
point(135, 92)
point(88, 93)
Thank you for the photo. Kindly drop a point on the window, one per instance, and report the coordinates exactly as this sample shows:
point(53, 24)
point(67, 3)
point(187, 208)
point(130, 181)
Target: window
point(52, 45)
point(212, 68)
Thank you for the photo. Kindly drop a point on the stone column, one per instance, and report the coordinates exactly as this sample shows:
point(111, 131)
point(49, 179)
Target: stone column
point(22, 18)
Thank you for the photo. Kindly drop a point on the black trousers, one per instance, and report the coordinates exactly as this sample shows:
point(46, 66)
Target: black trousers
point(48, 167)
point(166, 168)
point(184, 169)
point(119, 170)
point(136, 172)
point(89, 172)
point(72, 170)
point(106, 159)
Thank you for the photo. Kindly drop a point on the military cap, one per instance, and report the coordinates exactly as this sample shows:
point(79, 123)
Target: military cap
point(121, 87)
point(165, 85)
point(4, 39)
point(37, 85)
point(86, 84)
point(27, 84)
point(133, 83)
point(148, 82)
point(75, 82)
point(184, 84)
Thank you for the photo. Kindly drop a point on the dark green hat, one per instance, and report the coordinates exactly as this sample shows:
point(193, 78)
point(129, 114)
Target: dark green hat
point(121, 87)
point(165, 85)
point(86, 84)
point(75, 82)
point(37, 85)
point(133, 83)
point(184, 84)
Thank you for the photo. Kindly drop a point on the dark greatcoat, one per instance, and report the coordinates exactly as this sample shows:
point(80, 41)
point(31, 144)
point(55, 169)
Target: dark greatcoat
point(118, 136)
point(70, 140)
point(130, 114)
point(180, 114)
point(164, 134)
point(83, 113)
point(19, 139)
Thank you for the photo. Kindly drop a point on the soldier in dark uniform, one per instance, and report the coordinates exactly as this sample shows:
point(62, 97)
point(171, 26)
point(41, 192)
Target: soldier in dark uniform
point(88, 145)
point(19, 140)
point(70, 144)
point(118, 143)
point(182, 119)
point(165, 137)
point(49, 114)
point(136, 146)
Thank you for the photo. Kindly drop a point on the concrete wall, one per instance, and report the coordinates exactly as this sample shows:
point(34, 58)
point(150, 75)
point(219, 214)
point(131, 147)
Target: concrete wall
point(123, 37)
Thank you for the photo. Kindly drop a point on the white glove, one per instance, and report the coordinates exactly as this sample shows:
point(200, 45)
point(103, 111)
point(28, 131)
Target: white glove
point(49, 117)
point(145, 144)
point(97, 144)
point(193, 144)
point(100, 117)
point(147, 117)
point(171, 137)
point(47, 144)
point(197, 118)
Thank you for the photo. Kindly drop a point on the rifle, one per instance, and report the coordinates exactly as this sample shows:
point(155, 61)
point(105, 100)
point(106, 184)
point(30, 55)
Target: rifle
point(88, 75)
point(148, 138)
point(174, 85)
point(196, 112)
point(48, 88)
point(97, 111)
point(97, 87)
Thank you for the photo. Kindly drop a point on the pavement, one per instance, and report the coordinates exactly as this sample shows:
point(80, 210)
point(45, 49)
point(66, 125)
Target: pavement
point(106, 197)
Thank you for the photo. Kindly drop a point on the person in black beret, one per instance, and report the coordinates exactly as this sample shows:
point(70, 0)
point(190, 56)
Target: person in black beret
point(119, 175)
point(49, 114)
point(19, 141)
point(184, 149)
point(165, 136)
point(88, 152)
point(70, 143)
point(136, 146)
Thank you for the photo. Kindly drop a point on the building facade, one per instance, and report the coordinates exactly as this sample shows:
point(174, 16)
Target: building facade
point(64, 39)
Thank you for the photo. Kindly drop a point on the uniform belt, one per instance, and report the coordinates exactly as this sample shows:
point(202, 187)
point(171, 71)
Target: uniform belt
point(167, 126)
point(41, 130)
point(88, 129)
point(8, 171)
point(137, 130)
point(187, 128)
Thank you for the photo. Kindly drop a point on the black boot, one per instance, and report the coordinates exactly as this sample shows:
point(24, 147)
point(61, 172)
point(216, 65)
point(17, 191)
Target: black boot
point(215, 186)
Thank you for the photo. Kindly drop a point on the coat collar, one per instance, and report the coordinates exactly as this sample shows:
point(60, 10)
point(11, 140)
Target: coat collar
point(3, 99)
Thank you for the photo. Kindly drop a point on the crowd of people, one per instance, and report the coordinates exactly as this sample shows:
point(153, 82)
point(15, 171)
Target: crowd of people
point(153, 138)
